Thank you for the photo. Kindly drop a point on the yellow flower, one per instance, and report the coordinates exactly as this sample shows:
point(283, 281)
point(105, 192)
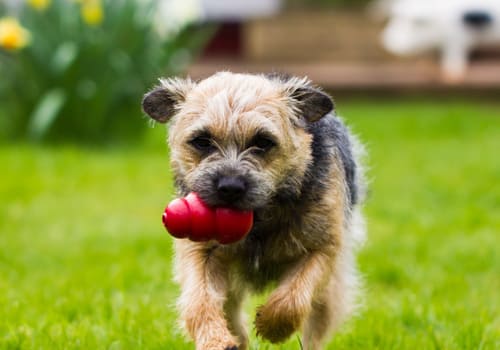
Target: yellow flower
point(12, 35)
point(92, 12)
point(39, 5)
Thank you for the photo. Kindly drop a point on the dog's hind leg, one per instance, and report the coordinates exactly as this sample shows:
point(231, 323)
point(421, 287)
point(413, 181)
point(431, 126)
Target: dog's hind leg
point(319, 322)
point(330, 307)
point(235, 318)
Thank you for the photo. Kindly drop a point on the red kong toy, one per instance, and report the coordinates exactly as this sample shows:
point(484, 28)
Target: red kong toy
point(190, 218)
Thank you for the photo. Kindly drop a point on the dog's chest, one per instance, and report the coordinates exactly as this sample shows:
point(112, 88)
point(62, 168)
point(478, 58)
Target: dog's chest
point(275, 245)
point(262, 261)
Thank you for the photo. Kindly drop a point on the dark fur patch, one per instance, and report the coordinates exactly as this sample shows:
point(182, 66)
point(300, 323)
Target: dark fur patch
point(159, 105)
point(313, 103)
point(325, 131)
point(330, 137)
point(329, 134)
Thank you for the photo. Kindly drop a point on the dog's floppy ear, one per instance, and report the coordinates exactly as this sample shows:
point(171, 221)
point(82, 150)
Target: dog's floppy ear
point(313, 104)
point(163, 101)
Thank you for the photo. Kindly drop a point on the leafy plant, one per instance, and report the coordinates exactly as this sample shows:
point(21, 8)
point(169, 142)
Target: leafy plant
point(84, 66)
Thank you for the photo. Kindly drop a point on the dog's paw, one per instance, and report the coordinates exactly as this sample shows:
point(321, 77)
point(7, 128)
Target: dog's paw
point(276, 321)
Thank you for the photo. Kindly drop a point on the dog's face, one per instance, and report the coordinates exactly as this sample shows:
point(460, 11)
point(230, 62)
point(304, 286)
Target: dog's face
point(235, 139)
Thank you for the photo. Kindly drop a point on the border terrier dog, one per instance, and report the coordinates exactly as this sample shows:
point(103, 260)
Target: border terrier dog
point(271, 144)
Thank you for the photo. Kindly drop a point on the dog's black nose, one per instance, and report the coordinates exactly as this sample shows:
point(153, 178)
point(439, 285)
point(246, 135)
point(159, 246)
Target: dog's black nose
point(230, 188)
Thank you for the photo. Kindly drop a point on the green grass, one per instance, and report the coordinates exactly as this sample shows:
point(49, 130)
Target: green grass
point(85, 262)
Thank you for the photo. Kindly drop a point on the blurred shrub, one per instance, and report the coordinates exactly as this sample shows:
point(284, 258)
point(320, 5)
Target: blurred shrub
point(77, 69)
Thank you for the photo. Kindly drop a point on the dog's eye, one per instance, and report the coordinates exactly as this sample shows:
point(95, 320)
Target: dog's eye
point(262, 143)
point(202, 143)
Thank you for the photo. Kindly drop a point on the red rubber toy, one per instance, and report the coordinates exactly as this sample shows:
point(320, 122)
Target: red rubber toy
point(191, 218)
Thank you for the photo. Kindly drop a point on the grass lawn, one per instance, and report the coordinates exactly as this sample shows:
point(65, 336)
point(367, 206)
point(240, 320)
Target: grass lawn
point(85, 262)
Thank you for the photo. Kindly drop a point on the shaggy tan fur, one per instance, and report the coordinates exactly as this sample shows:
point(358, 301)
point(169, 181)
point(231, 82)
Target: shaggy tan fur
point(304, 248)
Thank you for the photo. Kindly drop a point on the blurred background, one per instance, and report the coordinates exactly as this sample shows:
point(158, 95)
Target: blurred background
point(84, 260)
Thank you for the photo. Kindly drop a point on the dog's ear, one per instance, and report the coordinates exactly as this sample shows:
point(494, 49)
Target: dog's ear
point(163, 101)
point(313, 104)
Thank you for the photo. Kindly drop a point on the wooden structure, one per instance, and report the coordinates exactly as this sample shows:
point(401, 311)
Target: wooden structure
point(337, 49)
point(359, 75)
point(321, 36)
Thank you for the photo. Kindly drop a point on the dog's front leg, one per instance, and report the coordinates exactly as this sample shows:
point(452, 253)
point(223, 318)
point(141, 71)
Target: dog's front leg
point(290, 304)
point(202, 274)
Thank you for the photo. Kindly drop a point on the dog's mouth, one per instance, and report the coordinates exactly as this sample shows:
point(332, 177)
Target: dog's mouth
point(212, 200)
point(237, 191)
point(251, 200)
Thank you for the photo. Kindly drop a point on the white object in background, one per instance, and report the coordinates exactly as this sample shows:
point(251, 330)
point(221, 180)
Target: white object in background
point(172, 15)
point(453, 27)
point(236, 10)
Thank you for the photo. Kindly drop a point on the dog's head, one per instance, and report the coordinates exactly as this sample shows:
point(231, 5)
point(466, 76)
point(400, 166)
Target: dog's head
point(238, 139)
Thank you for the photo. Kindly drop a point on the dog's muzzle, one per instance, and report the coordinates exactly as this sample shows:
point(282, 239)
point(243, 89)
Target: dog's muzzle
point(231, 189)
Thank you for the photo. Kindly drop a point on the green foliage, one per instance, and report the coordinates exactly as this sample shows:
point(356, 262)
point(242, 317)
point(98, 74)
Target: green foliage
point(85, 262)
point(79, 80)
